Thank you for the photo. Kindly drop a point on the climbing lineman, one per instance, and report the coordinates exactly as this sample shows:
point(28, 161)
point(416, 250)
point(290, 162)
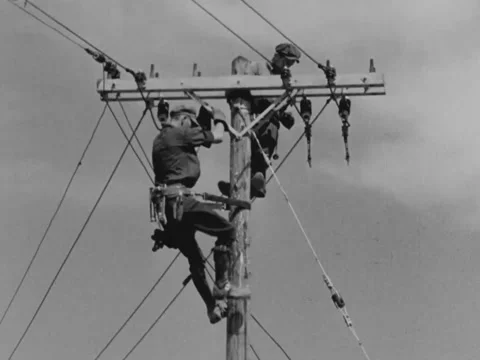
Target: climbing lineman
point(177, 170)
point(286, 55)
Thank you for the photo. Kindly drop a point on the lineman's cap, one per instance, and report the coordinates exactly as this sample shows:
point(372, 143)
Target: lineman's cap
point(288, 51)
point(185, 110)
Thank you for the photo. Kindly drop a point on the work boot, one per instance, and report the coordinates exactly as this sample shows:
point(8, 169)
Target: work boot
point(224, 188)
point(221, 257)
point(257, 186)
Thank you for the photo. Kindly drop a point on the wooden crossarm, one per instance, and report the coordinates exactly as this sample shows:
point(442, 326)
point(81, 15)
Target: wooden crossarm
point(268, 86)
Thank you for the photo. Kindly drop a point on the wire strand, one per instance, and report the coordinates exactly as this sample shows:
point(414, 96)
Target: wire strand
point(131, 145)
point(253, 350)
point(46, 24)
point(138, 306)
point(270, 336)
point(233, 32)
point(279, 31)
point(76, 240)
point(54, 214)
point(320, 65)
point(138, 141)
point(184, 284)
point(72, 32)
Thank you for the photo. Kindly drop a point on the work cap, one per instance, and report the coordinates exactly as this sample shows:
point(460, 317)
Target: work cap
point(288, 51)
point(187, 110)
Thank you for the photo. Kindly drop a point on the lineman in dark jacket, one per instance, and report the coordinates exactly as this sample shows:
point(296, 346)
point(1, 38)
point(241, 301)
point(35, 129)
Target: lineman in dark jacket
point(286, 55)
point(177, 166)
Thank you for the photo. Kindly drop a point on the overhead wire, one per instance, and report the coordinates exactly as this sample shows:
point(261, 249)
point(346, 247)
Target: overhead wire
point(136, 137)
point(253, 350)
point(184, 284)
point(45, 23)
point(320, 65)
point(270, 335)
point(79, 163)
point(72, 32)
point(138, 306)
point(131, 145)
point(78, 237)
point(229, 29)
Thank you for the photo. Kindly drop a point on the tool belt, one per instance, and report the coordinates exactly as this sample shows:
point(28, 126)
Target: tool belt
point(174, 195)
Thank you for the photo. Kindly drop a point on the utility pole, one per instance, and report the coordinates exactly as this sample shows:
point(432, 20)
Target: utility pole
point(269, 86)
point(238, 308)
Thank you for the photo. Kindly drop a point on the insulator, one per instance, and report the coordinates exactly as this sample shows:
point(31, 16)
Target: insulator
point(344, 106)
point(306, 108)
point(162, 110)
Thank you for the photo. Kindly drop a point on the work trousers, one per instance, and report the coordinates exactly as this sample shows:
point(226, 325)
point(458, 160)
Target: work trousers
point(197, 216)
point(267, 135)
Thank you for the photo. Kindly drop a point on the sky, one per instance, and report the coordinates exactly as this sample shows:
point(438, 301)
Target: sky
point(397, 230)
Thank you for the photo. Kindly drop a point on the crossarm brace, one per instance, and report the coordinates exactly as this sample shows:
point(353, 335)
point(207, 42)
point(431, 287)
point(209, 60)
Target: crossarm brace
point(280, 103)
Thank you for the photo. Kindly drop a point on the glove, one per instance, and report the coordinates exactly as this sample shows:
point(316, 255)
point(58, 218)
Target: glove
point(204, 119)
point(219, 115)
point(287, 120)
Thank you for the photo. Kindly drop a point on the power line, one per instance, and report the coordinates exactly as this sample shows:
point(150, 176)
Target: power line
point(139, 143)
point(184, 284)
point(78, 237)
point(54, 214)
point(131, 145)
point(138, 306)
point(253, 349)
point(270, 336)
point(72, 32)
point(47, 25)
point(233, 32)
point(321, 66)
point(279, 31)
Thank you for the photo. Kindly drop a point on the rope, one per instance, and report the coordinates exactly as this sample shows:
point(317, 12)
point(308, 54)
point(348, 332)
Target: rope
point(131, 145)
point(138, 306)
point(47, 25)
point(184, 284)
point(338, 301)
point(55, 213)
point(76, 240)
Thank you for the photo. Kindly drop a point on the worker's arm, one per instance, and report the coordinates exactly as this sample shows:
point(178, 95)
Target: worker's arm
point(218, 132)
point(221, 126)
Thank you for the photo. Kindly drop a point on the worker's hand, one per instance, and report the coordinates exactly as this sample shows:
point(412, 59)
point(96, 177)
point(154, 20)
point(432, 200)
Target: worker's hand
point(285, 73)
point(229, 128)
point(204, 118)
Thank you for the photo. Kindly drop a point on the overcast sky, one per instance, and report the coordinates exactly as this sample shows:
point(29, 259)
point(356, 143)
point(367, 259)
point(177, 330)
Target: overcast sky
point(397, 230)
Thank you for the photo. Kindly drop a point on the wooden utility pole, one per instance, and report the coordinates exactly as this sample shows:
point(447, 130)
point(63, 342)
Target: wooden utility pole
point(238, 308)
